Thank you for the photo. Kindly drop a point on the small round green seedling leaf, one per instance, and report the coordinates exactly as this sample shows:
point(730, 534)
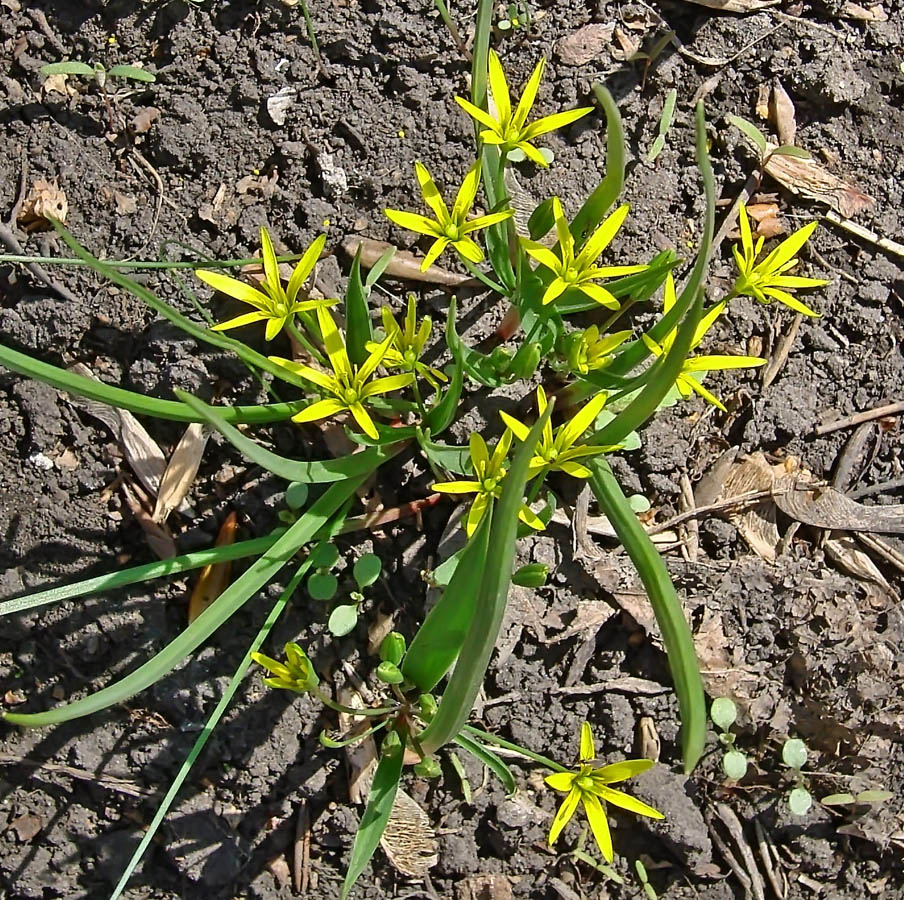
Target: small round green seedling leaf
point(794, 753)
point(639, 503)
point(548, 155)
point(343, 620)
point(389, 673)
point(874, 796)
point(734, 765)
point(723, 712)
point(516, 155)
point(392, 648)
point(367, 570)
point(838, 800)
point(800, 801)
point(324, 556)
point(323, 586)
point(504, 25)
point(296, 495)
point(428, 768)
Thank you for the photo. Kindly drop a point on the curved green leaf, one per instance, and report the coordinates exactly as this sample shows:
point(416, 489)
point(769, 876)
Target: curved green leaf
point(68, 67)
point(490, 760)
point(308, 472)
point(676, 635)
point(445, 456)
point(82, 386)
point(133, 72)
point(232, 599)
point(358, 327)
point(376, 815)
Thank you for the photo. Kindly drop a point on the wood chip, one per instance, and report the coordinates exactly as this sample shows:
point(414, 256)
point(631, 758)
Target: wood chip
point(757, 525)
point(26, 827)
point(781, 109)
point(807, 178)
point(181, 470)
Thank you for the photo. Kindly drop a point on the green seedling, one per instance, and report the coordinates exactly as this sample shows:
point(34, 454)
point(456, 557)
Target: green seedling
point(862, 799)
point(764, 147)
point(344, 617)
point(517, 16)
point(794, 756)
point(101, 76)
point(665, 123)
point(724, 713)
point(648, 889)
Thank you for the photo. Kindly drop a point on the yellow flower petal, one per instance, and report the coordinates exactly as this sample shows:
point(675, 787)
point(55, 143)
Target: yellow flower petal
point(370, 364)
point(632, 804)
point(602, 237)
point(581, 421)
point(431, 194)
point(787, 249)
point(598, 294)
point(333, 344)
point(519, 429)
point(532, 153)
point(480, 454)
point(543, 255)
point(554, 122)
point(433, 253)
point(588, 751)
point(235, 288)
point(596, 816)
point(385, 385)
point(575, 470)
point(476, 513)
point(457, 487)
point(530, 518)
point(481, 115)
point(319, 410)
point(499, 88)
point(304, 267)
point(556, 288)
point(239, 321)
point(566, 241)
point(464, 200)
point(619, 771)
point(271, 266)
point(686, 384)
point(715, 363)
point(560, 781)
point(468, 250)
point(486, 221)
point(414, 222)
point(790, 301)
point(274, 326)
point(746, 236)
point(365, 422)
point(706, 323)
point(529, 95)
point(564, 814)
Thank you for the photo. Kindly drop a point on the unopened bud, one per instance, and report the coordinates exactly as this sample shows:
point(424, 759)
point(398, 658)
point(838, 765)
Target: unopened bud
point(393, 648)
point(428, 768)
point(389, 673)
point(533, 575)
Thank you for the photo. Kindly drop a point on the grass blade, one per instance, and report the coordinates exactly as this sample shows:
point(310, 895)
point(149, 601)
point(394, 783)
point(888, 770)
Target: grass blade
point(82, 386)
point(496, 576)
point(176, 565)
point(358, 327)
point(376, 815)
point(232, 599)
point(209, 726)
point(490, 760)
point(310, 472)
point(608, 190)
point(676, 635)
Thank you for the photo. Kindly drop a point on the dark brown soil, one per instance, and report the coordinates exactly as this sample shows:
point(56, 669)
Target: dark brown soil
point(807, 649)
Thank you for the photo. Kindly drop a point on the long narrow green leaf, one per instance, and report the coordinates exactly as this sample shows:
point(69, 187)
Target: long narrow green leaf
point(439, 639)
point(490, 760)
point(496, 577)
point(358, 327)
point(208, 728)
point(676, 635)
point(637, 352)
point(232, 599)
point(161, 307)
point(441, 416)
point(110, 581)
point(445, 456)
point(82, 386)
point(310, 472)
point(376, 815)
point(608, 190)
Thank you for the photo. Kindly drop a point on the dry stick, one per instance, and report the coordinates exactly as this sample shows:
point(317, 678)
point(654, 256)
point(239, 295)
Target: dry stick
point(886, 551)
point(886, 244)
point(158, 205)
point(301, 860)
point(736, 830)
point(113, 782)
point(764, 845)
point(742, 500)
point(890, 409)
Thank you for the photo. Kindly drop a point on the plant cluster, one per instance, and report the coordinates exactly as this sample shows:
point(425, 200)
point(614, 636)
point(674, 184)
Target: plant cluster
point(365, 370)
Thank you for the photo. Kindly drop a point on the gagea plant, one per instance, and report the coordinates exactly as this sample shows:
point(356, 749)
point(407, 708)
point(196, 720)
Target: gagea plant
point(590, 379)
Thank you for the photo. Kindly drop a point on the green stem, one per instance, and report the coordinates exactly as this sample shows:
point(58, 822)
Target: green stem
point(492, 285)
point(144, 264)
point(415, 389)
point(299, 336)
point(326, 700)
point(616, 315)
point(312, 37)
point(508, 745)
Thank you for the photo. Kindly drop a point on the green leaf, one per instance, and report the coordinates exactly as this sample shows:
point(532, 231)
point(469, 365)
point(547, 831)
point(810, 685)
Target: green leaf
point(676, 635)
point(756, 136)
point(326, 741)
point(462, 776)
point(358, 327)
point(379, 267)
point(82, 386)
point(839, 799)
point(323, 586)
point(308, 472)
point(794, 753)
point(490, 601)
point(209, 726)
point(445, 456)
point(541, 220)
point(734, 765)
point(791, 150)
point(598, 204)
point(376, 815)
point(133, 72)
point(800, 801)
point(232, 599)
point(439, 639)
point(343, 619)
point(324, 556)
point(490, 760)
point(68, 67)
point(723, 712)
point(176, 565)
point(873, 796)
point(367, 570)
point(296, 495)
point(656, 148)
point(475, 364)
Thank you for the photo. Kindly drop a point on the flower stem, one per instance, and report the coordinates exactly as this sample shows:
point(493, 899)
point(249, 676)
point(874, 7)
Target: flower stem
point(351, 711)
point(492, 285)
point(299, 336)
point(508, 745)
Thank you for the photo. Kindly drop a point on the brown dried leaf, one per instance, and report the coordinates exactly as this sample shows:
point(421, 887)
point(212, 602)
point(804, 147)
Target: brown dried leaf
point(762, 102)
point(756, 525)
point(26, 827)
point(214, 579)
point(628, 42)
point(586, 44)
point(258, 186)
point(125, 204)
point(377, 632)
point(46, 199)
point(141, 451)
point(409, 840)
point(158, 536)
point(181, 470)
point(807, 178)
point(144, 120)
point(736, 6)
point(404, 265)
point(844, 550)
point(781, 109)
point(58, 84)
point(361, 758)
